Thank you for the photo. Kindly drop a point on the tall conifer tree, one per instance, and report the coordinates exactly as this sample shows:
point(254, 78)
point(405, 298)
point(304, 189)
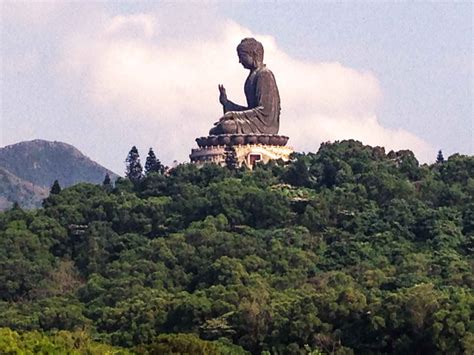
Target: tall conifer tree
point(153, 164)
point(107, 180)
point(134, 167)
point(55, 189)
point(440, 157)
point(107, 183)
point(231, 161)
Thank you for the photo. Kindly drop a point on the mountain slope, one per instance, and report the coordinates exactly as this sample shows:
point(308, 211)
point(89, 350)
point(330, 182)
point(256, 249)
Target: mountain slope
point(14, 189)
point(30, 168)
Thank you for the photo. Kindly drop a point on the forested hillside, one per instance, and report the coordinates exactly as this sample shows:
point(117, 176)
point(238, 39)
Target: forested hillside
point(349, 250)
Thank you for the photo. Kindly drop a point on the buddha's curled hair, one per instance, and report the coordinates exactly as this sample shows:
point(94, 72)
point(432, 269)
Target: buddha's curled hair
point(252, 47)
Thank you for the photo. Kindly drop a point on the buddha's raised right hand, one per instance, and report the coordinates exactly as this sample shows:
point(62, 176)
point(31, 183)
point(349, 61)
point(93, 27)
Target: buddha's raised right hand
point(223, 95)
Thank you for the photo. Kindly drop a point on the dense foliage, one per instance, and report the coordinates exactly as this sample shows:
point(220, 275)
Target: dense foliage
point(61, 342)
point(349, 250)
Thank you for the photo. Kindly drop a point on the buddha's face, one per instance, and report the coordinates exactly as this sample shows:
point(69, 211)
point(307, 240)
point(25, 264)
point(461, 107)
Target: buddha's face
point(246, 60)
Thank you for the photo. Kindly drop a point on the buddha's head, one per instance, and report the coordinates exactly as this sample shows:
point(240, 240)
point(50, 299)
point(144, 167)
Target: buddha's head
point(250, 52)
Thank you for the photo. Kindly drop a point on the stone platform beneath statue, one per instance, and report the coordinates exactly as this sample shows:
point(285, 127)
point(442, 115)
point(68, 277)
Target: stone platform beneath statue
point(246, 150)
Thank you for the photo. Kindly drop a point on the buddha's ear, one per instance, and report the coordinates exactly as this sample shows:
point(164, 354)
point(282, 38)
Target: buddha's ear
point(255, 60)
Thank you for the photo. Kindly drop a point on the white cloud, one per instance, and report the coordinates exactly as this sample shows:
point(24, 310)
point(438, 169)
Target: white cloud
point(140, 24)
point(170, 89)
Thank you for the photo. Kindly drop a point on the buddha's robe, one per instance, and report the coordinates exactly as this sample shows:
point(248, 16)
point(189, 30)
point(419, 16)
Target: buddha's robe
point(262, 114)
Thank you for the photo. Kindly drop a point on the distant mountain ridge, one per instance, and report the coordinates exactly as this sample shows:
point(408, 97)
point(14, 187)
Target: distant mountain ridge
point(28, 169)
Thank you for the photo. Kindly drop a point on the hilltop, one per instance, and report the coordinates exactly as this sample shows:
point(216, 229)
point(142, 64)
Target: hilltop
point(347, 250)
point(28, 169)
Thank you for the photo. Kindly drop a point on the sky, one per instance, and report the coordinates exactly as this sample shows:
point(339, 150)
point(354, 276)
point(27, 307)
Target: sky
point(104, 76)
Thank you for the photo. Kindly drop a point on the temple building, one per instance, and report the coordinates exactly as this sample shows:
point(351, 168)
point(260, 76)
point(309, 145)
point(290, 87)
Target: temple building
point(245, 149)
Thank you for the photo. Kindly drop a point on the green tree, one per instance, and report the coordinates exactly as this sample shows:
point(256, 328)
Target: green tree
point(134, 170)
point(439, 157)
point(107, 181)
point(188, 344)
point(230, 157)
point(153, 164)
point(62, 342)
point(55, 189)
point(25, 261)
